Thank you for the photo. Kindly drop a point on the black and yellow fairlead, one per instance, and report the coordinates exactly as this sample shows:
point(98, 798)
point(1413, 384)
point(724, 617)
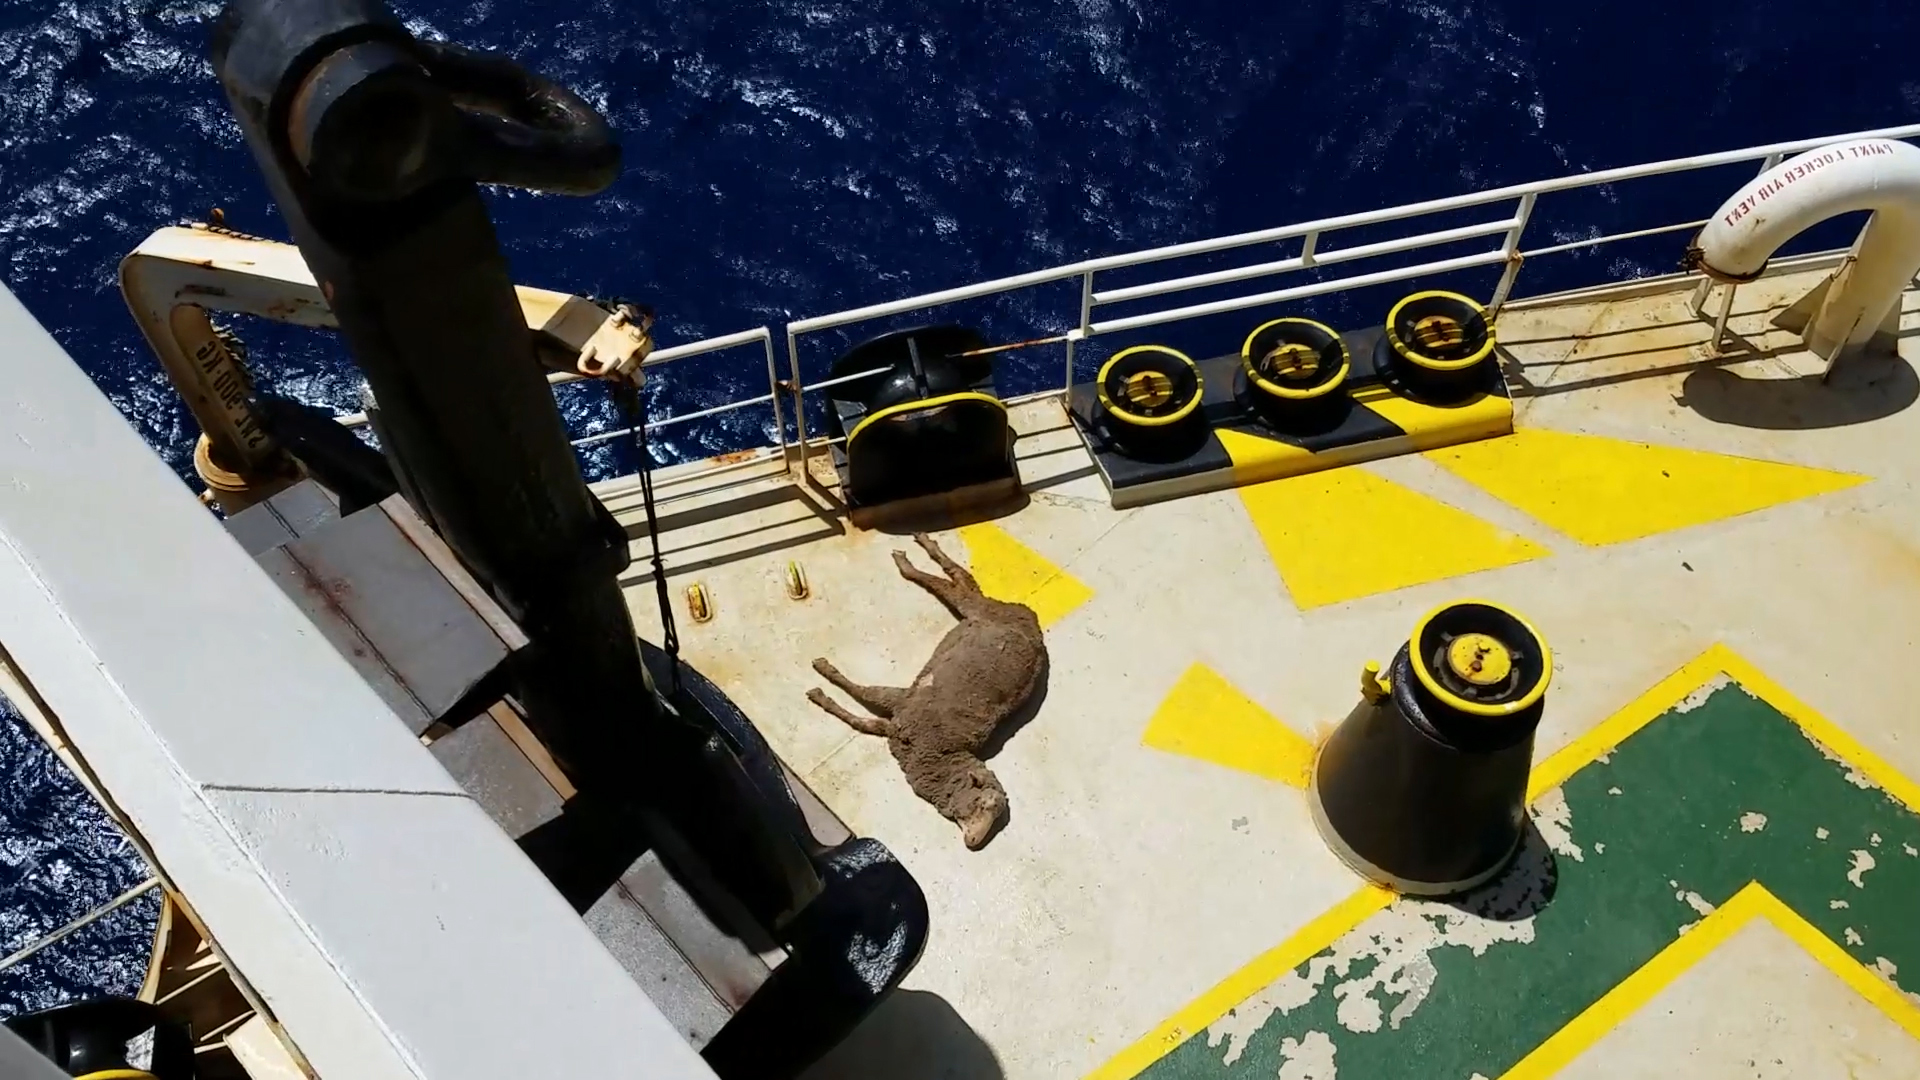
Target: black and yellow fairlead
point(1293, 367)
point(1150, 386)
point(1439, 345)
point(1298, 397)
point(1149, 403)
point(1423, 786)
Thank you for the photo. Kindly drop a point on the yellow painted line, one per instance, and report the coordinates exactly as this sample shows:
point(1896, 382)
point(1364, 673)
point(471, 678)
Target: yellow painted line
point(1206, 717)
point(1431, 426)
point(1257, 460)
point(1308, 942)
point(1347, 533)
point(1752, 901)
point(1824, 731)
point(1638, 988)
point(1864, 980)
point(1616, 729)
point(1010, 570)
point(1675, 688)
point(1599, 490)
point(1547, 775)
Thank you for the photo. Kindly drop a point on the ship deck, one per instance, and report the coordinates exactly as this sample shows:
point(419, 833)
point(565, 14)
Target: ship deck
point(1724, 554)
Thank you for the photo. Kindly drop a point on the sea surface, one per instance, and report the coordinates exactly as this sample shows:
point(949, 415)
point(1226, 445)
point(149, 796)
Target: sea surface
point(790, 159)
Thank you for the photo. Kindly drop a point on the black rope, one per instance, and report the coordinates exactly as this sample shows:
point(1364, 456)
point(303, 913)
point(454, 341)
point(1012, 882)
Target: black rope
point(627, 396)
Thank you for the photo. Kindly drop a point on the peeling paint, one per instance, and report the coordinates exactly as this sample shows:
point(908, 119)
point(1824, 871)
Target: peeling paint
point(1390, 1002)
point(1700, 904)
point(1854, 775)
point(1308, 1058)
point(1554, 818)
point(1862, 862)
point(1359, 1012)
point(1707, 689)
point(1383, 970)
point(1400, 942)
point(1283, 996)
point(1613, 791)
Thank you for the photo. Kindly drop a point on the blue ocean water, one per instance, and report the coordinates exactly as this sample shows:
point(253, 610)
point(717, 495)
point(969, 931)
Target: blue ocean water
point(789, 158)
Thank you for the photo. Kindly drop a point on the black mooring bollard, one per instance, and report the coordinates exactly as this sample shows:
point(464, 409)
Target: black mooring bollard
point(1423, 787)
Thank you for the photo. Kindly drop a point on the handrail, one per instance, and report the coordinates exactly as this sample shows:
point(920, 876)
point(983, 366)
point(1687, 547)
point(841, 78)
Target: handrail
point(759, 334)
point(681, 352)
point(1156, 318)
point(1313, 253)
point(1331, 224)
point(1480, 198)
point(936, 299)
point(1319, 258)
point(29, 951)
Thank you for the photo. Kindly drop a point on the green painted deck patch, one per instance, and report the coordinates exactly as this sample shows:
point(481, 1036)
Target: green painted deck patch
point(1683, 814)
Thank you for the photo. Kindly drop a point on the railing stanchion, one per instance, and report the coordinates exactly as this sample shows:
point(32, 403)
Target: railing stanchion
point(1086, 321)
point(773, 389)
point(799, 398)
point(1512, 250)
point(1511, 255)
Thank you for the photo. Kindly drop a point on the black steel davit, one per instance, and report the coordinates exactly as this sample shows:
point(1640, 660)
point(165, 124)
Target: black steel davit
point(374, 145)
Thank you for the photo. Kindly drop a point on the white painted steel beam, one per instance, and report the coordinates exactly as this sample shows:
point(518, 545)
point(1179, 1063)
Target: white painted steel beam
point(387, 923)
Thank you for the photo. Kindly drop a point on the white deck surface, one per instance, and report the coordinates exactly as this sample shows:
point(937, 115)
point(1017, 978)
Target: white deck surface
point(1130, 880)
point(374, 906)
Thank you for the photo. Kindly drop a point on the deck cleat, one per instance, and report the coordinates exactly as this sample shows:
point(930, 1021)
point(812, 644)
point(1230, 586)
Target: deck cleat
point(1422, 788)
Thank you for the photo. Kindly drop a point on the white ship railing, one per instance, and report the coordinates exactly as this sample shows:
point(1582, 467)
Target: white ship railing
point(33, 949)
point(1515, 206)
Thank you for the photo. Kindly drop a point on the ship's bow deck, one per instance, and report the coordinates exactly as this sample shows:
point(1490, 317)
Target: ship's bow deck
point(1725, 556)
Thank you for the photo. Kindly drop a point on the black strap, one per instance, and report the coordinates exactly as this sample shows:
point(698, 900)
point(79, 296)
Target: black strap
point(627, 397)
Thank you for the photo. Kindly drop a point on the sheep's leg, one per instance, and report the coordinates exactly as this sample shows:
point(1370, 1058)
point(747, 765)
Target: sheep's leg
point(878, 700)
point(865, 725)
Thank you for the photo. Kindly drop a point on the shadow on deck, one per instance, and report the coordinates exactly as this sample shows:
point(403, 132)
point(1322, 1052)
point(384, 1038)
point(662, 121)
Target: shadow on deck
point(913, 1035)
